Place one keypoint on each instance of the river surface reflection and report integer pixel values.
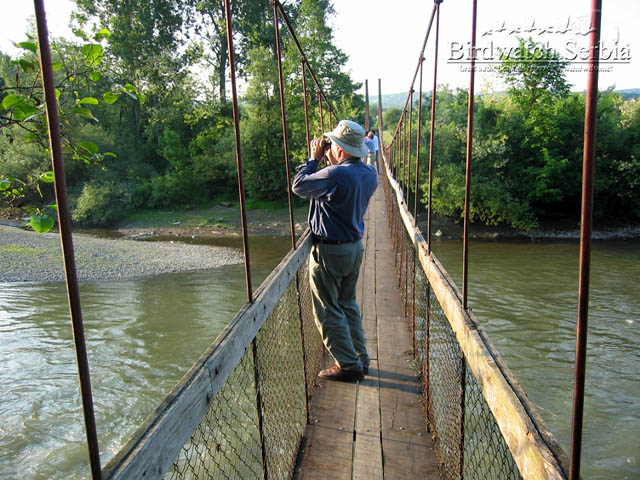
(144, 333)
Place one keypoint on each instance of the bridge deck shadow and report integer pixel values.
(372, 429)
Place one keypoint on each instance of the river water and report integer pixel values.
(144, 333)
(525, 294)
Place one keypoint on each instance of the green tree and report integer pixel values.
(534, 73)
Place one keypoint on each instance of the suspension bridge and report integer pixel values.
(439, 401)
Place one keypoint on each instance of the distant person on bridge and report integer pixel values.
(371, 145)
(339, 196)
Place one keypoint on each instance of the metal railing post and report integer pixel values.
(66, 239)
(586, 225)
(433, 126)
(306, 108)
(467, 189)
(236, 125)
(366, 105)
(285, 137)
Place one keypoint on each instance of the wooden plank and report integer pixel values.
(367, 458)
(407, 448)
(328, 439)
(368, 282)
(534, 449)
(157, 443)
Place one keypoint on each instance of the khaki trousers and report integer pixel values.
(333, 275)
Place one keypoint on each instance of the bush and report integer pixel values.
(101, 203)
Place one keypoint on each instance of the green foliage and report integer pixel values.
(101, 203)
(142, 128)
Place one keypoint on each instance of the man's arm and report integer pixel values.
(311, 183)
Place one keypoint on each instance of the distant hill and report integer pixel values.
(627, 94)
(398, 100)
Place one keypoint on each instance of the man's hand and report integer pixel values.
(317, 149)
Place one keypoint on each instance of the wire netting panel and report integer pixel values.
(486, 454)
(313, 348)
(445, 383)
(245, 424)
(282, 385)
(467, 438)
(226, 444)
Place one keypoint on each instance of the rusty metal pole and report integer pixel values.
(467, 189)
(415, 198)
(407, 202)
(588, 161)
(236, 124)
(66, 239)
(409, 185)
(321, 112)
(284, 124)
(366, 105)
(306, 109)
(433, 125)
(380, 127)
(463, 390)
(418, 134)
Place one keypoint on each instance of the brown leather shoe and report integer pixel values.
(337, 373)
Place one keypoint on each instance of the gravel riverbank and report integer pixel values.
(31, 257)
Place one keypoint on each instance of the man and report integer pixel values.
(339, 196)
(371, 145)
(376, 147)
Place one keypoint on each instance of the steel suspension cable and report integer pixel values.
(66, 239)
(424, 46)
(287, 23)
(239, 166)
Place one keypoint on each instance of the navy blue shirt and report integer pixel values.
(339, 197)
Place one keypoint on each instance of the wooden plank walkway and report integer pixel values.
(372, 429)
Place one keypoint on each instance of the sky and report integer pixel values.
(383, 39)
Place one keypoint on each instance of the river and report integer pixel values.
(144, 333)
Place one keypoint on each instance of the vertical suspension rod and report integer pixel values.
(236, 125)
(306, 108)
(285, 138)
(588, 161)
(321, 112)
(366, 105)
(418, 134)
(467, 188)
(380, 126)
(409, 147)
(432, 127)
(66, 240)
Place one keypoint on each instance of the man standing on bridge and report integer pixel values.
(339, 196)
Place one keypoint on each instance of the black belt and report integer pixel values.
(327, 241)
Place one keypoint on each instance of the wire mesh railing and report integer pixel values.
(482, 424)
(240, 412)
